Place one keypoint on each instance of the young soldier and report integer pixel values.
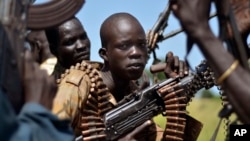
(125, 55)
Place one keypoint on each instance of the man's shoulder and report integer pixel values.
(95, 64)
(79, 72)
(74, 87)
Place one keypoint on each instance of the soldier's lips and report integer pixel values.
(136, 66)
(81, 57)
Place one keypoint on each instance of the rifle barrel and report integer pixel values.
(177, 31)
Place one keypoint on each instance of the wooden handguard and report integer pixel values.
(52, 13)
(157, 67)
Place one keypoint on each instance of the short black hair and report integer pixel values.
(52, 35)
(111, 20)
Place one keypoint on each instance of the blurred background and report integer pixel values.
(207, 103)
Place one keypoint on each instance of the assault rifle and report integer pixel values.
(16, 17)
(148, 103)
(144, 105)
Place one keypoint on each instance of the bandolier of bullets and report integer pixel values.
(177, 96)
(175, 112)
(225, 112)
(95, 106)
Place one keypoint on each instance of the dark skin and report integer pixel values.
(38, 86)
(241, 11)
(39, 45)
(241, 14)
(72, 44)
(125, 55)
(193, 16)
(174, 66)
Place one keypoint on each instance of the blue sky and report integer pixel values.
(94, 12)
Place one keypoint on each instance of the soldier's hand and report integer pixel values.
(241, 15)
(174, 66)
(131, 136)
(192, 14)
(38, 86)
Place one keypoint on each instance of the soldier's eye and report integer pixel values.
(142, 44)
(69, 42)
(124, 46)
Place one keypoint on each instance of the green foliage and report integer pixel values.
(206, 94)
(157, 76)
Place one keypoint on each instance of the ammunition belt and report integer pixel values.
(97, 103)
(175, 112)
(177, 99)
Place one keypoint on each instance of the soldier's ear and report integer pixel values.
(103, 54)
(37, 45)
(34, 46)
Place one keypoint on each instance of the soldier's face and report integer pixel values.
(74, 44)
(126, 50)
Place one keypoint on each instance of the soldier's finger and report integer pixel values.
(176, 61)
(28, 61)
(140, 128)
(28, 68)
(169, 55)
(186, 68)
(169, 59)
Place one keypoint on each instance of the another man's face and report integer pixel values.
(126, 50)
(39, 45)
(74, 44)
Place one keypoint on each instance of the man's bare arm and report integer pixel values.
(193, 16)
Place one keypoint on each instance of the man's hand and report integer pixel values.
(130, 136)
(241, 15)
(38, 86)
(174, 66)
(193, 14)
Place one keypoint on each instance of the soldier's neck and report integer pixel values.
(117, 87)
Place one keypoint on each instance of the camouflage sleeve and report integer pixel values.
(73, 90)
(83, 98)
